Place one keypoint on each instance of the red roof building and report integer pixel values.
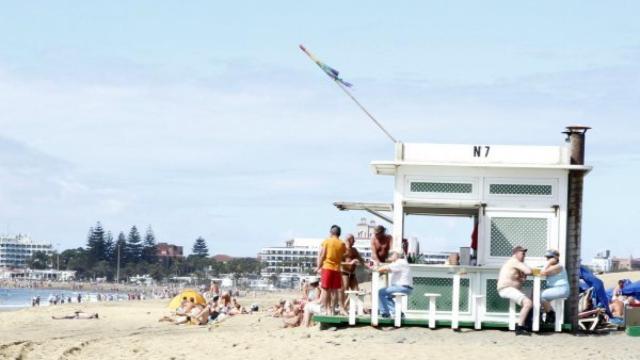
(169, 250)
(222, 258)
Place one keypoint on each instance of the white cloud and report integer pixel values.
(247, 151)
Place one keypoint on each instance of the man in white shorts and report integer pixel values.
(510, 280)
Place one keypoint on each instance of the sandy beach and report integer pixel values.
(611, 279)
(128, 330)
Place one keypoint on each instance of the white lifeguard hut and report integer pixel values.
(517, 195)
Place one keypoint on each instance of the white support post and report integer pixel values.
(398, 308)
(558, 307)
(375, 287)
(360, 303)
(536, 303)
(512, 315)
(398, 213)
(478, 302)
(353, 296)
(432, 309)
(405, 303)
(455, 301)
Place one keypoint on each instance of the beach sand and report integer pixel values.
(611, 279)
(129, 330)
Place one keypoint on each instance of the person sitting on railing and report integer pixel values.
(510, 280)
(557, 284)
(400, 281)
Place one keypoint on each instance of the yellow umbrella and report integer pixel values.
(188, 294)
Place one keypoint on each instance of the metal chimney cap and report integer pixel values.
(577, 128)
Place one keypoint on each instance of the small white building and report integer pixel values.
(602, 262)
(38, 275)
(516, 195)
(434, 257)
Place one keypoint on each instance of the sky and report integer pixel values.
(205, 119)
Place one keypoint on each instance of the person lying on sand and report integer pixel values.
(77, 315)
(236, 308)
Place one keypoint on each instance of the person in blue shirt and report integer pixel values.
(557, 284)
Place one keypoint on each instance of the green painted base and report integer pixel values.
(633, 330)
(328, 321)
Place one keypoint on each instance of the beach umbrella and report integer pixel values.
(187, 293)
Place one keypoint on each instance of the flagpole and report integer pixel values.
(365, 111)
(333, 73)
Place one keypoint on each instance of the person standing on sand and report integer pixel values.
(214, 289)
(510, 280)
(329, 259)
(380, 245)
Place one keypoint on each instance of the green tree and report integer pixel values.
(134, 246)
(149, 247)
(102, 269)
(200, 247)
(109, 248)
(244, 266)
(156, 271)
(120, 247)
(96, 245)
(38, 260)
(75, 259)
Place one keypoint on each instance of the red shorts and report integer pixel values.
(330, 279)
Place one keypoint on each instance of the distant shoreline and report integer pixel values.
(76, 286)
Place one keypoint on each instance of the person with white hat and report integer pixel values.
(312, 292)
(313, 304)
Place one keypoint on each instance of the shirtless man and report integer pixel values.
(214, 289)
(380, 244)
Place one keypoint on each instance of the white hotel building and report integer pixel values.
(16, 250)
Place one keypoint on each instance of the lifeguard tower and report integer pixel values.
(517, 195)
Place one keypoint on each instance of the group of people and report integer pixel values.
(619, 300)
(299, 311)
(218, 306)
(337, 263)
(511, 280)
(56, 299)
(338, 260)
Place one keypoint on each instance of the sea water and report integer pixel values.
(18, 298)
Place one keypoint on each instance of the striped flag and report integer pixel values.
(331, 72)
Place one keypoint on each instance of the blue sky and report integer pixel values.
(206, 119)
